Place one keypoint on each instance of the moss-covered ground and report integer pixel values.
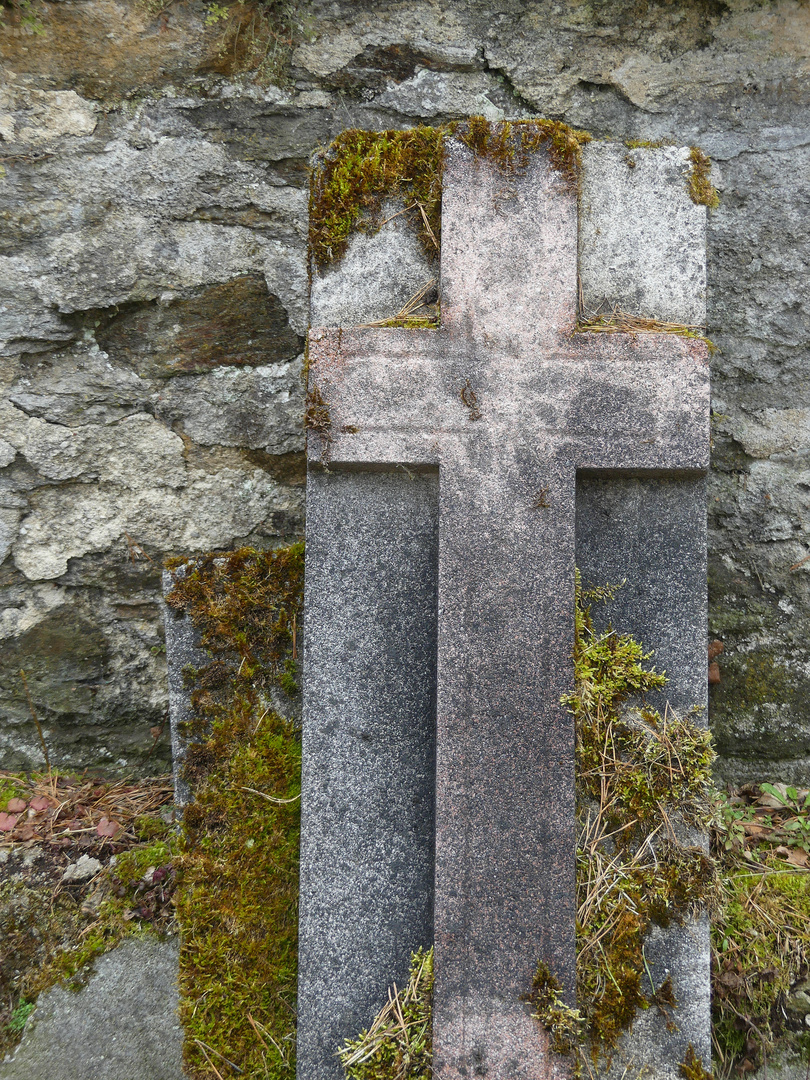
(238, 866)
(52, 929)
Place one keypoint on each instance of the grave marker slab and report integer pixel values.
(503, 422)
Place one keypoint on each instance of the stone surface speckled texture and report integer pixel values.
(510, 404)
(642, 241)
(368, 750)
(122, 1025)
(139, 172)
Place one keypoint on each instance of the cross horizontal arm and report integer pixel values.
(601, 402)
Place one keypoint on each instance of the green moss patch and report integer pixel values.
(699, 185)
(360, 170)
(238, 868)
(512, 144)
(642, 778)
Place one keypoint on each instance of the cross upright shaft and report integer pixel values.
(509, 404)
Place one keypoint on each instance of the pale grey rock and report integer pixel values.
(82, 388)
(376, 277)
(82, 870)
(434, 93)
(642, 240)
(9, 524)
(34, 117)
(7, 453)
(197, 512)
(122, 1025)
(285, 270)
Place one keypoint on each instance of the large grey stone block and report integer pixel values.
(122, 1025)
(368, 749)
(642, 241)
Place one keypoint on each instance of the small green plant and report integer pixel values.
(19, 1016)
(216, 13)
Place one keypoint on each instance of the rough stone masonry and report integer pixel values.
(462, 473)
(153, 284)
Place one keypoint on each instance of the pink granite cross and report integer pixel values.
(509, 404)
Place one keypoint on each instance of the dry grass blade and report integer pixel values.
(272, 798)
(408, 310)
(398, 1040)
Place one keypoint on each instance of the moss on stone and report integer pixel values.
(699, 185)
(360, 170)
(398, 1045)
(511, 144)
(636, 769)
(238, 868)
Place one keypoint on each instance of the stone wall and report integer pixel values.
(153, 297)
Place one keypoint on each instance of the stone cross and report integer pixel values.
(464, 471)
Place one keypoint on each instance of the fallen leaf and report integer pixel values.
(106, 827)
(797, 857)
(28, 832)
(715, 648)
(752, 829)
(16, 806)
(40, 803)
(7, 822)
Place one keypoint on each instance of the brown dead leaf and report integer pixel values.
(715, 648)
(108, 828)
(755, 830)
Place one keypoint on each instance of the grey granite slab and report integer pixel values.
(642, 241)
(511, 406)
(368, 749)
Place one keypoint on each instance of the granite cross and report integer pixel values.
(472, 448)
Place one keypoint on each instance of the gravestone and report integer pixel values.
(463, 473)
